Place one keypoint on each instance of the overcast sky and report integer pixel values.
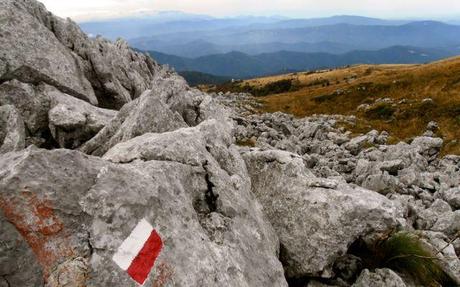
(82, 10)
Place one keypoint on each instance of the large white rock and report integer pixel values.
(145, 114)
(31, 52)
(74, 211)
(40, 47)
(315, 219)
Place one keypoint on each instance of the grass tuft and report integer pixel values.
(405, 253)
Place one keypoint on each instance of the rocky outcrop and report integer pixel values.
(405, 168)
(76, 178)
(39, 56)
(315, 219)
(205, 215)
(421, 185)
(38, 47)
(168, 160)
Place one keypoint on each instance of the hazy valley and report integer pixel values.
(245, 47)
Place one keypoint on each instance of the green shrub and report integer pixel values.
(278, 87)
(383, 111)
(318, 82)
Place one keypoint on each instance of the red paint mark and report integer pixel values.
(34, 218)
(142, 264)
(164, 274)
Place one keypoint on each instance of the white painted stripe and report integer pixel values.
(129, 249)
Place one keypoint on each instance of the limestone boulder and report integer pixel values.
(31, 53)
(73, 211)
(38, 47)
(315, 219)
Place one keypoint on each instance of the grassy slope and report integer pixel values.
(350, 87)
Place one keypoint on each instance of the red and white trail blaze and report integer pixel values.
(138, 253)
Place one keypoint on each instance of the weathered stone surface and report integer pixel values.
(411, 175)
(17, 258)
(146, 114)
(213, 230)
(187, 145)
(40, 47)
(314, 283)
(72, 121)
(428, 146)
(448, 223)
(71, 273)
(171, 105)
(452, 196)
(379, 278)
(31, 53)
(315, 224)
(168, 156)
(30, 101)
(12, 132)
(117, 73)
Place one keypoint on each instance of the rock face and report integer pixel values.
(58, 53)
(68, 206)
(52, 117)
(31, 103)
(37, 57)
(168, 159)
(12, 133)
(72, 122)
(46, 61)
(315, 219)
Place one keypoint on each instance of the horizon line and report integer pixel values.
(152, 13)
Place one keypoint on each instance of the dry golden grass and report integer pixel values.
(341, 91)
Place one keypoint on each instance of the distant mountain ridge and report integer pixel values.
(427, 34)
(161, 23)
(199, 48)
(242, 47)
(241, 65)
